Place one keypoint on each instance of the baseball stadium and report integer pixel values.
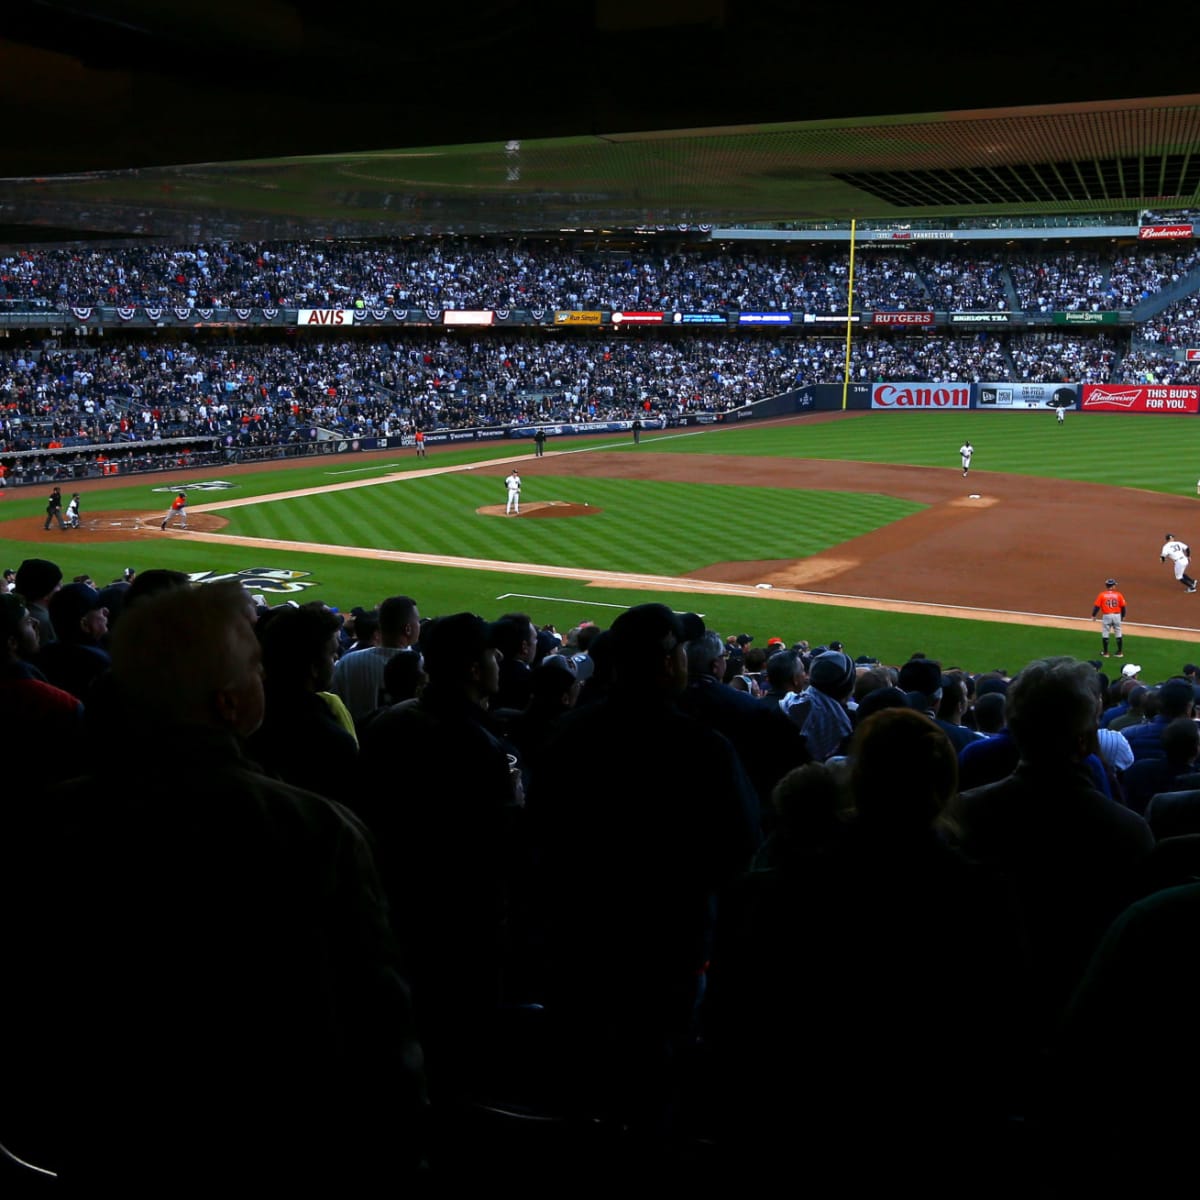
(552, 628)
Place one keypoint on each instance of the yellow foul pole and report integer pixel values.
(849, 313)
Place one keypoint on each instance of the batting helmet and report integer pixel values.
(1110, 583)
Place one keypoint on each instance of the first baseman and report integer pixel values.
(1111, 603)
(1179, 554)
(966, 450)
(513, 483)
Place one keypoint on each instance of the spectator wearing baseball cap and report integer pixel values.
(77, 658)
(1175, 699)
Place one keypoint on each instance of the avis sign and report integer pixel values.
(325, 316)
(920, 395)
(1155, 398)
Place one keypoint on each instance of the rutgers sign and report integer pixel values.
(1164, 398)
(902, 318)
(919, 395)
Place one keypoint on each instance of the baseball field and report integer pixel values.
(851, 526)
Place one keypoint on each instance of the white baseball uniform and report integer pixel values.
(1176, 551)
(1062, 415)
(513, 483)
(966, 450)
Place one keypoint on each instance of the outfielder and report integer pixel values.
(966, 450)
(513, 483)
(1062, 415)
(1179, 554)
(1111, 604)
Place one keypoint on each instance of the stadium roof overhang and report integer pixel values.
(293, 118)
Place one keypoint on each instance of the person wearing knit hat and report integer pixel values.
(36, 581)
(831, 682)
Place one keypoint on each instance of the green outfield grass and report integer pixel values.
(1158, 453)
(715, 523)
(645, 526)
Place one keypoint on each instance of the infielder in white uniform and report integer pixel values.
(1179, 554)
(513, 483)
(966, 451)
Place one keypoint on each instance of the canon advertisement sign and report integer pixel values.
(920, 395)
(1160, 232)
(1160, 398)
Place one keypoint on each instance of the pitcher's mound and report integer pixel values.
(542, 508)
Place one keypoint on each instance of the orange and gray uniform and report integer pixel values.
(1111, 603)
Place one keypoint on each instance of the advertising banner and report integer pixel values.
(980, 318)
(764, 318)
(466, 316)
(1193, 356)
(902, 318)
(821, 319)
(1149, 233)
(1084, 318)
(709, 318)
(1159, 398)
(325, 316)
(576, 317)
(1018, 397)
(637, 318)
(1105, 397)
(920, 395)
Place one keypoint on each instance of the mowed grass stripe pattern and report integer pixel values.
(1158, 453)
(644, 526)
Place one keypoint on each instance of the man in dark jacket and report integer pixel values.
(642, 813)
(1067, 850)
(226, 941)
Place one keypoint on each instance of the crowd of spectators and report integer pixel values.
(1136, 277)
(1071, 281)
(379, 833)
(456, 273)
(281, 391)
(1177, 326)
(276, 387)
(1146, 366)
(1053, 356)
(958, 281)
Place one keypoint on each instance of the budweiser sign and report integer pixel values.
(1162, 398)
(1158, 232)
(919, 395)
(902, 318)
